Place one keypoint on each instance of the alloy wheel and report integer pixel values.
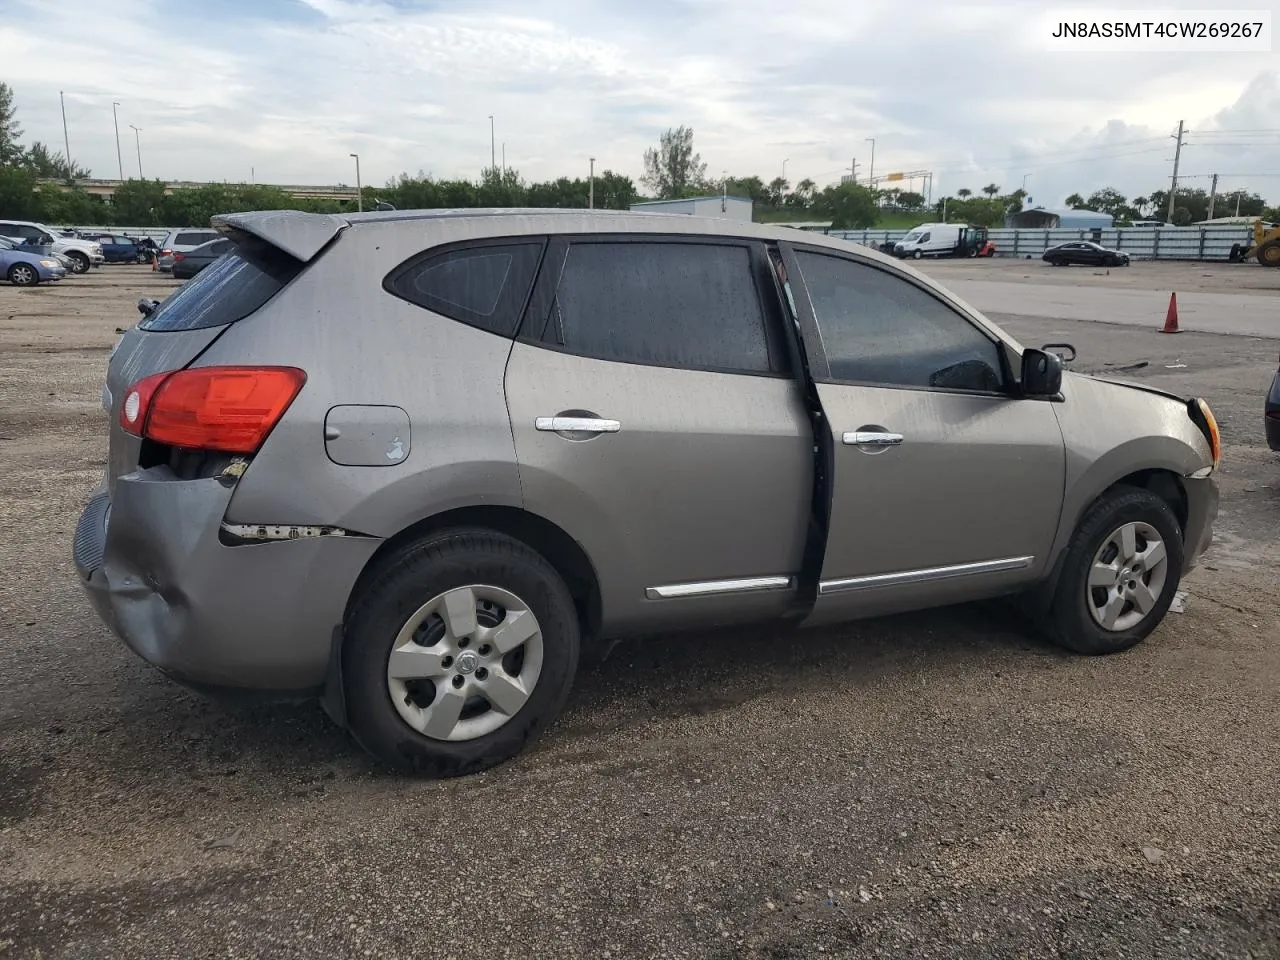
(465, 662)
(22, 275)
(1127, 577)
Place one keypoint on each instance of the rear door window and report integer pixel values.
(226, 291)
(670, 304)
(484, 286)
(193, 239)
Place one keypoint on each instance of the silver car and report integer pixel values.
(412, 462)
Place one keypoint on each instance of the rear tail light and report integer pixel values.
(179, 256)
(230, 409)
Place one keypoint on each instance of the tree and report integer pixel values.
(139, 203)
(1106, 200)
(615, 191)
(46, 165)
(803, 194)
(752, 187)
(18, 197)
(964, 193)
(1181, 216)
(850, 206)
(1075, 202)
(11, 151)
(1139, 204)
(777, 190)
(991, 189)
(672, 168)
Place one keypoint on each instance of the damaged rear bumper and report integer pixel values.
(255, 616)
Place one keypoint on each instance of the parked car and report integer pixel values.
(1086, 253)
(1271, 413)
(182, 241)
(411, 462)
(82, 253)
(25, 269)
(187, 265)
(121, 249)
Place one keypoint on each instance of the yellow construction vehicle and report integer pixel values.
(1265, 246)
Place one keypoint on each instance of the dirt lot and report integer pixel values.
(934, 785)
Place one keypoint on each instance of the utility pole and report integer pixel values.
(591, 186)
(137, 139)
(504, 158)
(66, 140)
(871, 174)
(1173, 187)
(1213, 195)
(493, 153)
(359, 192)
(853, 170)
(116, 120)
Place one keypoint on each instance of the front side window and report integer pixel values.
(686, 305)
(878, 328)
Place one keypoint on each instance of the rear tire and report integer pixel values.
(446, 603)
(916, 255)
(1269, 254)
(23, 275)
(1126, 555)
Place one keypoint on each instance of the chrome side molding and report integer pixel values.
(711, 588)
(847, 584)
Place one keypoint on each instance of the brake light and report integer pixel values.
(179, 256)
(231, 409)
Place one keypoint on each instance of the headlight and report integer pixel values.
(49, 263)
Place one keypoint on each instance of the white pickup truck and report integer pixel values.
(82, 253)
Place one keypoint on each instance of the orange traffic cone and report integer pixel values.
(153, 263)
(1171, 318)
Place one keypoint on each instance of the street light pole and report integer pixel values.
(493, 152)
(359, 191)
(784, 168)
(591, 186)
(116, 120)
(871, 175)
(137, 139)
(66, 140)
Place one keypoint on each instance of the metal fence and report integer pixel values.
(1141, 243)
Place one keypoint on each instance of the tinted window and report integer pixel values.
(879, 328)
(226, 291)
(666, 304)
(484, 286)
(193, 239)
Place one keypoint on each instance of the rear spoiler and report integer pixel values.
(301, 235)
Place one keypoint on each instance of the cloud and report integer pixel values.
(290, 88)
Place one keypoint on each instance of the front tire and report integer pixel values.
(458, 653)
(916, 255)
(79, 261)
(1122, 568)
(23, 275)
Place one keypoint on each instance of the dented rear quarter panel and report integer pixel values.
(361, 345)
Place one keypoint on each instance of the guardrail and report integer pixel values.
(1141, 243)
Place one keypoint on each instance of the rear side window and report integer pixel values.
(226, 291)
(194, 239)
(690, 305)
(483, 286)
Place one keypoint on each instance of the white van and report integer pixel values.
(929, 239)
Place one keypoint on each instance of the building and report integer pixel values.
(1040, 218)
(722, 207)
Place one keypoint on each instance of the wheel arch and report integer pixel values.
(1165, 483)
(547, 539)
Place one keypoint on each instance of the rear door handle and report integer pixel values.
(576, 425)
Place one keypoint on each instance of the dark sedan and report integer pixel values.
(119, 249)
(1086, 253)
(187, 265)
(1271, 413)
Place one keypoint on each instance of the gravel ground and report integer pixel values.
(935, 785)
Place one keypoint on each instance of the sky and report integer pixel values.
(283, 91)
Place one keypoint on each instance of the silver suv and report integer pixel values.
(411, 462)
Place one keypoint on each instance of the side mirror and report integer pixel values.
(147, 306)
(1065, 351)
(1041, 373)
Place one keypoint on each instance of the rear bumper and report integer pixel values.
(257, 617)
(1202, 511)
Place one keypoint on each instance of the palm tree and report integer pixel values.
(964, 193)
(1139, 204)
(991, 189)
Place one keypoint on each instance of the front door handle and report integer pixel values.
(576, 425)
(872, 438)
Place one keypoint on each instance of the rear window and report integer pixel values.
(194, 239)
(226, 291)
